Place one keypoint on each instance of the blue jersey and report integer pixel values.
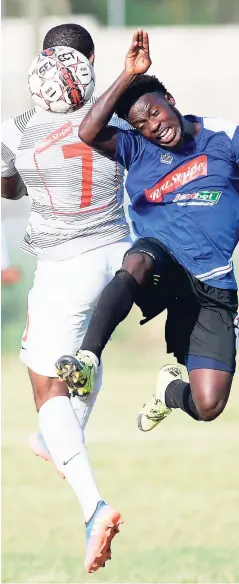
(188, 199)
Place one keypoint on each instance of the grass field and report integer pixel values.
(176, 487)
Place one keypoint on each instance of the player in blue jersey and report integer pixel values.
(183, 182)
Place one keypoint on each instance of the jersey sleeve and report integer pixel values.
(235, 144)
(128, 146)
(119, 123)
(10, 138)
(230, 128)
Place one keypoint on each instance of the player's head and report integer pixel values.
(73, 36)
(149, 108)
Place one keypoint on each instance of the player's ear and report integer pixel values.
(92, 60)
(170, 98)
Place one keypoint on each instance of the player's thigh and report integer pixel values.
(211, 359)
(60, 305)
(143, 258)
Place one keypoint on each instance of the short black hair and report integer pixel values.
(141, 85)
(70, 35)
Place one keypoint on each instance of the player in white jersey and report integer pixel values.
(78, 230)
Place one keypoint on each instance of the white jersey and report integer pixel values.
(76, 194)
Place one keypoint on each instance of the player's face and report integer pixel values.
(154, 116)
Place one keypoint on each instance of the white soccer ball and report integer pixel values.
(61, 79)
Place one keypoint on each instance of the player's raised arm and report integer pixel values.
(93, 129)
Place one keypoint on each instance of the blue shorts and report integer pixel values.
(195, 362)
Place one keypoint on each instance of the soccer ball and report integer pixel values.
(61, 80)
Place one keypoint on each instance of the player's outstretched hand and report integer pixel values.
(138, 59)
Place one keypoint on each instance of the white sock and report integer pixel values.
(92, 357)
(83, 405)
(64, 437)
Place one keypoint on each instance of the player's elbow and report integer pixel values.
(6, 189)
(88, 130)
(84, 134)
(12, 188)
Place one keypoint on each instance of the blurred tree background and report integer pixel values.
(138, 12)
(163, 12)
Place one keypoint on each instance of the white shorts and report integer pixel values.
(61, 302)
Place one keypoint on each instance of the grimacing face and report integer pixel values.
(154, 117)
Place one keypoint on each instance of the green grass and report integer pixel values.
(177, 487)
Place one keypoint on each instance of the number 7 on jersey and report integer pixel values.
(86, 154)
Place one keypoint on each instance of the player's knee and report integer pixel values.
(210, 390)
(210, 406)
(45, 388)
(139, 265)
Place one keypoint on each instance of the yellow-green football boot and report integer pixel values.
(78, 372)
(155, 410)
